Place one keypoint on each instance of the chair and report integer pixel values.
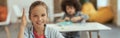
(5, 24)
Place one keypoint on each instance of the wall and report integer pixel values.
(20, 4)
(57, 6)
(50, 9)
(118, 11)
(102, 3)
(25, 4)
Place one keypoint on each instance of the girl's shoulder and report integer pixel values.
(53, 32)
(50, 28)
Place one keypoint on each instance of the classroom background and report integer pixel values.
(106, 12)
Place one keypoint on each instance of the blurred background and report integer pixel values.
(103, 11)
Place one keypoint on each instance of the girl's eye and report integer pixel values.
(43, 15)
(35, 16)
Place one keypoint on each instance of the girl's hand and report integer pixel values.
(24, 21)
(23, 25)
(76, 19)
(67, 19)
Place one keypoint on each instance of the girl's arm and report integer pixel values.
(22, 26)
(21, 32)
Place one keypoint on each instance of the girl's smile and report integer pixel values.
(39, 22)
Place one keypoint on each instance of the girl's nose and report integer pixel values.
(39, 19)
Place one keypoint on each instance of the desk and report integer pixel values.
(91, 26)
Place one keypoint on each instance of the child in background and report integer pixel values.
(72, 14)
(38, 16)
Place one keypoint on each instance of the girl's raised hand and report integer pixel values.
(23, 25)
(24, 21)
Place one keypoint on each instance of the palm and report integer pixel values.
(24, 18)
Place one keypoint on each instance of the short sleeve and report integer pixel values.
(26, 33)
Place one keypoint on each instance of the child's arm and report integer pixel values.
(62, 20)
(22, 26)
(81, 18)
(59, 20)
(76, 19)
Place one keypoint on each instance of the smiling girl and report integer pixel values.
(38, 14)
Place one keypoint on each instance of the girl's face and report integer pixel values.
(38, 16)
(70, 10)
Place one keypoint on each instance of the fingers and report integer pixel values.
(24, 18)
(23, 14)
(59, 20)
(67, 18)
